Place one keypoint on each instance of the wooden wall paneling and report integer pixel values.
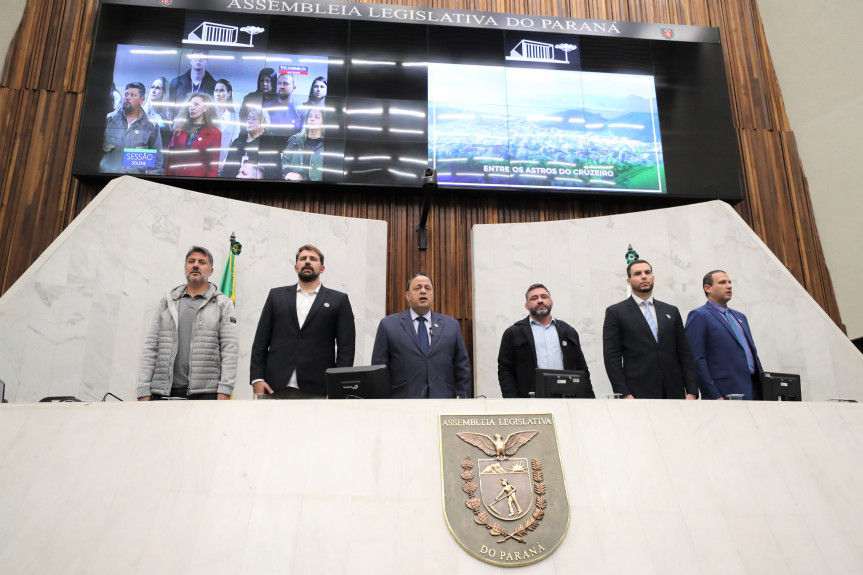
(772, 92)
(698, 13)
(816, 275)
(742, 53)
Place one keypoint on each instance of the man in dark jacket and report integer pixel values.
(304, 329)
(195, 80)
(539, 340)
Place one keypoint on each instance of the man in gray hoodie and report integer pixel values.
(192, 344)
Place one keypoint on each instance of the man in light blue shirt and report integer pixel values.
(537, 341)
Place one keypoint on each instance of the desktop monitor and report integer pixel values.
(563, 383)
(361, 382)
(780, 387)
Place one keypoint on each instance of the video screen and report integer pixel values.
(544, 128)
(214, 113)
(226, 95)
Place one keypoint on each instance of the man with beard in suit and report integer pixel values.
(539, 340)
(304, 329)
(644, 345)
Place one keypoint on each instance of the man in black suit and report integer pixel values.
(644, 345)
(424, 350)
(300, 329)
(538, 340)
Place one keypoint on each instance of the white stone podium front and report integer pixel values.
(331, 487)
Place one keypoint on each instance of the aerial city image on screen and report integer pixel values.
(516, 127)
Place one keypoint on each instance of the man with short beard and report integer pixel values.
(537, 341)
(129, 128)
(285, 120)
(644, 346)
(192, 345)
(304, 329)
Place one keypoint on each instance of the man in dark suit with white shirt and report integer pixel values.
(424, 350)
(644, 345)
(539, 340)
(304, 329)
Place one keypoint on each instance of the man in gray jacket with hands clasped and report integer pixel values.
(192, 344)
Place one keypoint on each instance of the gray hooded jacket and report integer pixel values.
(214, 348)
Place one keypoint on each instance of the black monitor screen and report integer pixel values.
(563, 383)
(780, 387)
(361, 382)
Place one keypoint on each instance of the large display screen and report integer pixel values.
(535, 128)
(194, 94)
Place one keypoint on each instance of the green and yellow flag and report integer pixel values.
(229, 277)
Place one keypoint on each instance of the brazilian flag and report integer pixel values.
(229, 277)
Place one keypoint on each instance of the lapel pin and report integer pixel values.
(668, 316)
(436, 325)
(326, 304)
(563, 343)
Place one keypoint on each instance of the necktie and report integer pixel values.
(422, 335)
(736, 331)
(651, 321)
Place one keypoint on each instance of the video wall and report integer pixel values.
(199, 94)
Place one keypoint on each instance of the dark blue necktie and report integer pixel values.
(422, 335)
(739, 337)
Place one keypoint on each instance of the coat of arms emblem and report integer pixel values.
(504, 497)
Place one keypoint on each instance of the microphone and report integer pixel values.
(431, 332)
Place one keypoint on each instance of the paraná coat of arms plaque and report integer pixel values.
(503, 488)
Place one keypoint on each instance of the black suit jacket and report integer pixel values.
(181, 86)
(639, 365)
(280, 346)
(516, 362)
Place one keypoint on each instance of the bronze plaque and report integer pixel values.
(504, 496)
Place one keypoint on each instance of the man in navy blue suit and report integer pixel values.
(424, 350)
(722, 345)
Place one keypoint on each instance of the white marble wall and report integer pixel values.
(354, 487)
(73, 324)
(582, 263)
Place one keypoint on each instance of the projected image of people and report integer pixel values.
(249, 171)
(194, 149)
(303, 158)
(285, 120)
(266, 87)
(253, 150)
(215, 81)
(226, 116)
(196, 79)
(317, 94)
(159, 108)
(132, 144)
